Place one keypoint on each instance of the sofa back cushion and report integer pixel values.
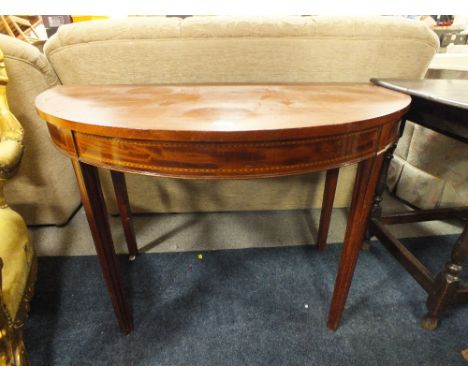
(213, 49)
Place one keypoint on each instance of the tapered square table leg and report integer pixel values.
(364, 186)
(327, 207)
(96, 213)
(121, 194)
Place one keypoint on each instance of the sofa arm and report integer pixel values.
(11, 132)
(11, 135)
(44, 190)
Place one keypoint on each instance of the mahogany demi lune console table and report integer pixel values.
(223, 132)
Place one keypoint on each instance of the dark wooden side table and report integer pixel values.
(223, 132)
(440, 105)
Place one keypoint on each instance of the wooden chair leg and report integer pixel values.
(7, 26)
(121, 194)
(18, 29)
(364, 187)
(446, 283)
(96, 213)
(327, 207)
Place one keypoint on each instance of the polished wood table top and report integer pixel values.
(218, 112)
(223, 132)
(449, 92)
(438, 104)
(232, 131)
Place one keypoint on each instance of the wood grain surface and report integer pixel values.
(220, 112)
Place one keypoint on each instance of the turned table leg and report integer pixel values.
(376, 210)
(121, 194)
(364, 186)
(446, 283)
(327, 207)
(96, 213)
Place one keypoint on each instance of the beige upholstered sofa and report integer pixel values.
(430, 170)
(159, 50)
(225, 49)
(44, 191)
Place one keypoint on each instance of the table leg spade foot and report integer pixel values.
(365, 246)
(429, 323)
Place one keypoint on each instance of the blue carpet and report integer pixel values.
(243, 307)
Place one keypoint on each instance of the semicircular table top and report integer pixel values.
(175, 112)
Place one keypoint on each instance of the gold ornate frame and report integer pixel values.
(12, 349)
